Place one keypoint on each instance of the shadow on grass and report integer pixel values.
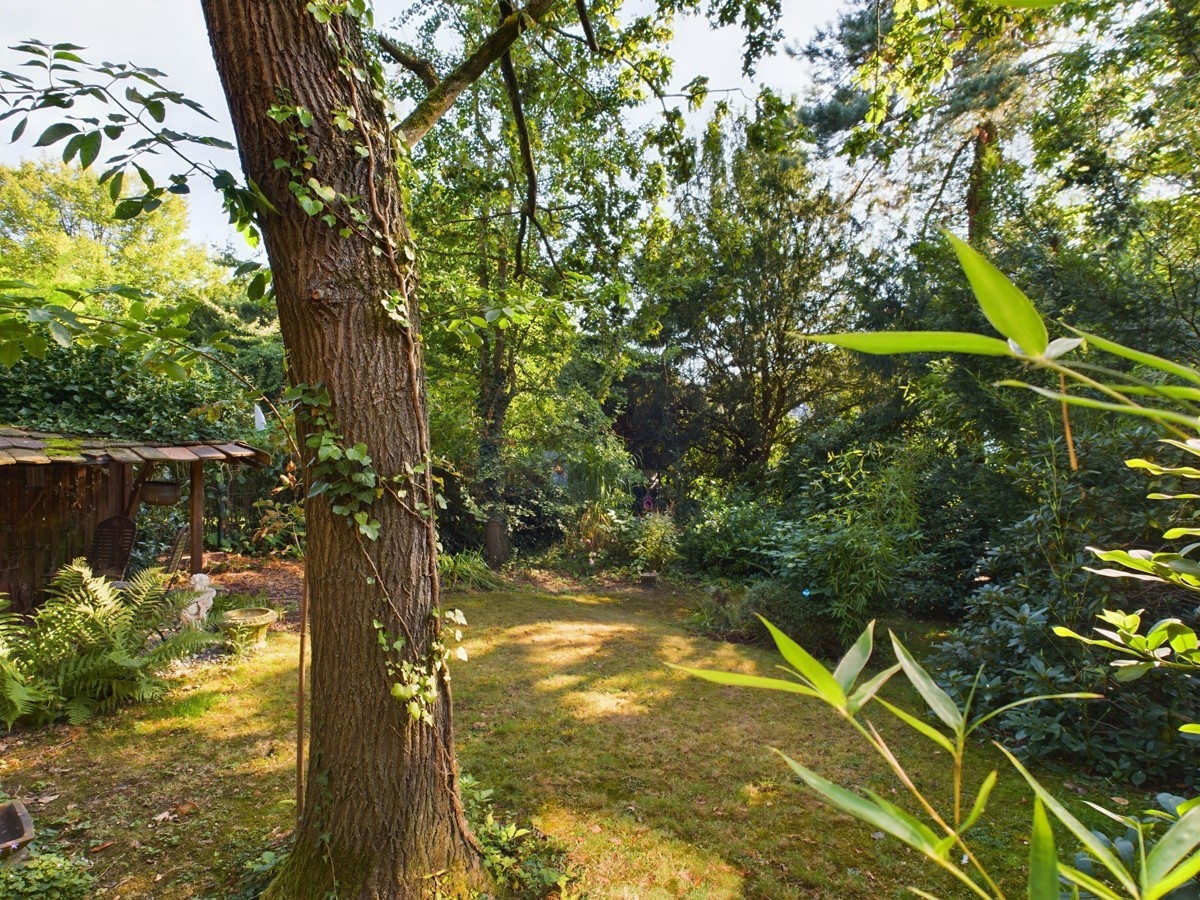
(167, 799)
(666, 783)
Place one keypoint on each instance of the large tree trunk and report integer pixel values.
(381, 810)
(495, 397)
(979, 181)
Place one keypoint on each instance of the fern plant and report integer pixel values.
(91, 647)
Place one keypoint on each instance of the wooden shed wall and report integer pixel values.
(47, 516)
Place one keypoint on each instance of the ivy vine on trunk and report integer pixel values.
(382, 811)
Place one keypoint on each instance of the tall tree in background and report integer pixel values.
(529, 197)
(755, 261)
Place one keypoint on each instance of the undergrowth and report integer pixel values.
(523, 862)
(90, 647)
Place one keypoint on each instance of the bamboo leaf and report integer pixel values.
(1092, 843)
(923, 727)
(1043, 860)
(889, 342)
(981, 799)
(1025, 701)
(816, 674)
(939, 701)
(1137, 356)
(870, 688)
(1173, 861)
(736, 679)
(908, 829)
(1159, 415)
(856, 657)
(1005, 305)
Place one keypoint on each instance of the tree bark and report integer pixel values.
(978, 183)
(381, 811)
(495, 397)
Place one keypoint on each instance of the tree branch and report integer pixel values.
(514, 98)
(439, 100)
(422, 68)
(586, 22)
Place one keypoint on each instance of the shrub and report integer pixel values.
(1036, 581)
(732, 612)
(729, 538)
(654, 541)
(90, 647)
(796, 611)
(467, 571)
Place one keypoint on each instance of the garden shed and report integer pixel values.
(56, 490)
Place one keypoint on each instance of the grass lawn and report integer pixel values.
(658, 785)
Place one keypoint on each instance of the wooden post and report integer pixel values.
(196, 504)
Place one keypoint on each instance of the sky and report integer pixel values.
(170, 35)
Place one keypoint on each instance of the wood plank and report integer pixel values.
(26, 443)
(73, 459)
(29, 457)
(238, 451)
(124, 455)
(196, 508)
(179, 454)
(9, 431)
(150, 454)
(204, 451)
(6, 458)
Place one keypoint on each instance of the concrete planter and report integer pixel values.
(16, 828)
(251, 622)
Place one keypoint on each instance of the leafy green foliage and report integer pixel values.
(653, 541)
(1036, 582)
(95, 390)
(91, 647)
(729, 536)
(47, 876)
(518, 859)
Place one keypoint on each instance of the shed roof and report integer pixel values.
(21, 447)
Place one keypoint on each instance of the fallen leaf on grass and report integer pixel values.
(100, 848)
(186, 808)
